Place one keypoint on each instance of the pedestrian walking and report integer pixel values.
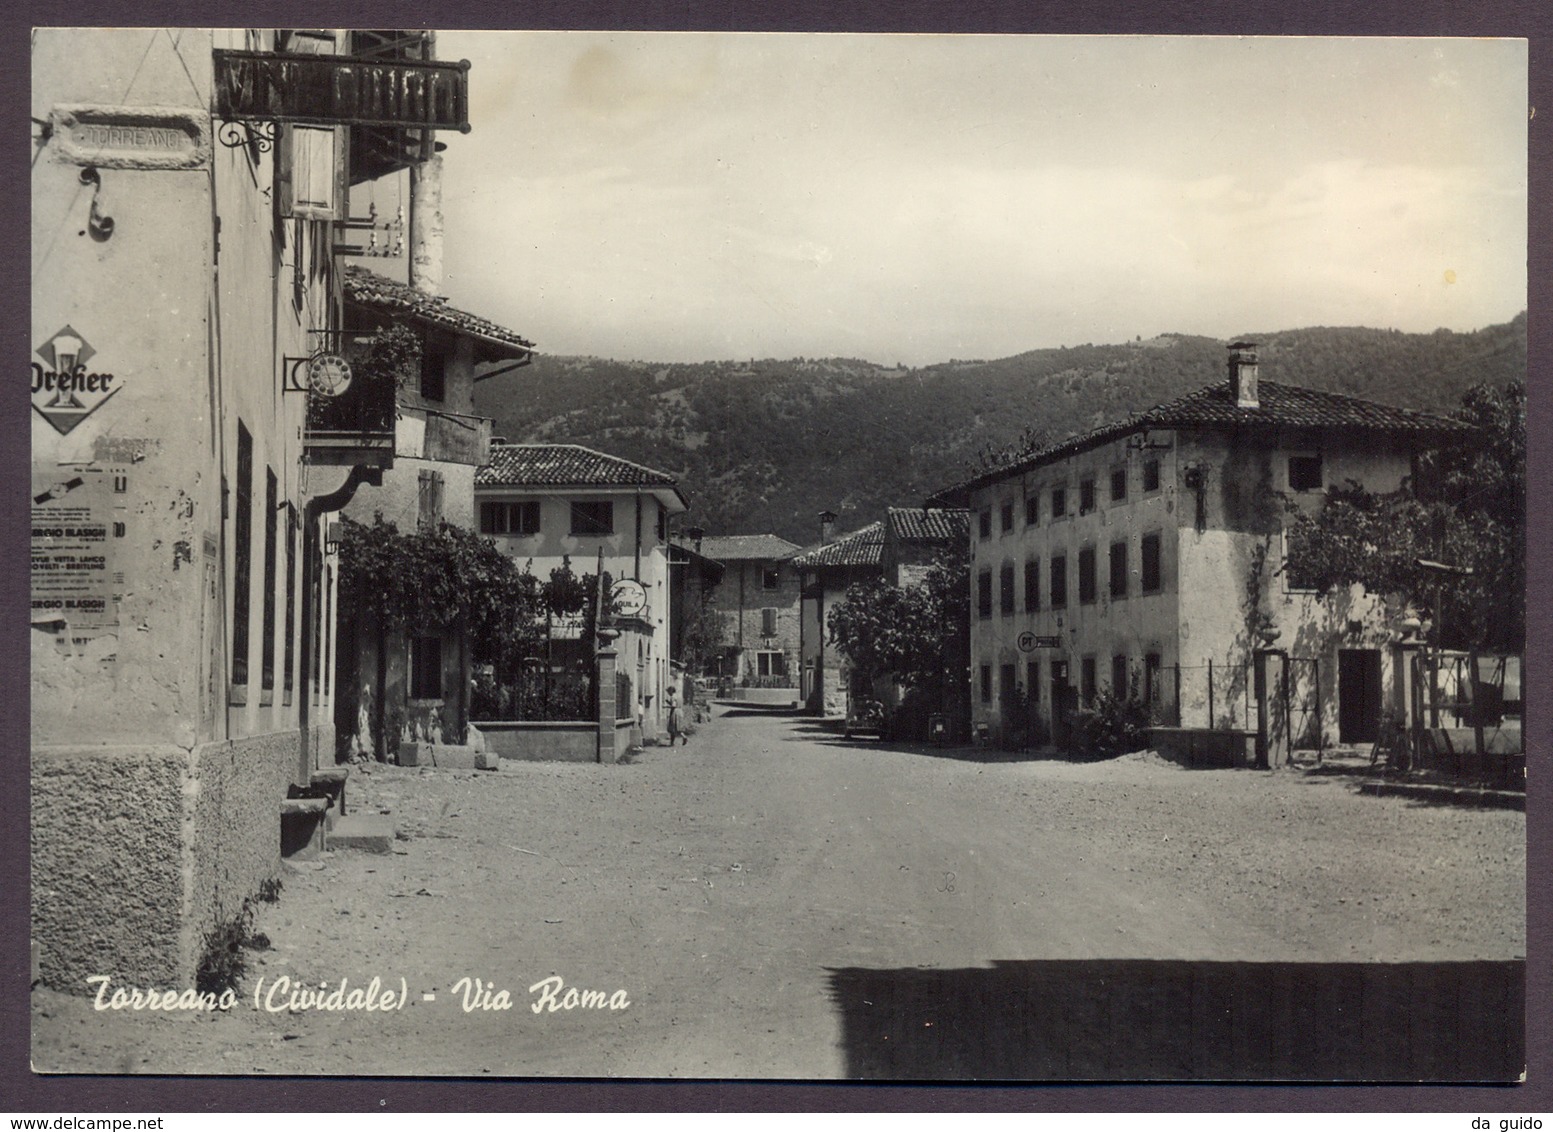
(674, 721)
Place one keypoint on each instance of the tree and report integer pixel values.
(907, 634)
(703, 632)
(1465, 510)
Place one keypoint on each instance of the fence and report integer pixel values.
(534, 694)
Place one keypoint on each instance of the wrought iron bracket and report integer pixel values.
(243, 134)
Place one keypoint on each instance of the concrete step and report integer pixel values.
(302, 827)
(371, 833)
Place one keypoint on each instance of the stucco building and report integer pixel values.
(190, 189)
(547, 504)
(1147, 557)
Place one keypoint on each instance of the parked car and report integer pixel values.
(865, 717)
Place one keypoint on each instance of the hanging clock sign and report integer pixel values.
(328, 375)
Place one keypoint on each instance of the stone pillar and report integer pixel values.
(1403, 693)
(606, 705)
(1270, 673)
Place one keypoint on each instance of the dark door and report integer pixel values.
(1358, 695)
(1064, 700)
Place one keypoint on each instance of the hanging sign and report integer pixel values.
(342, 90)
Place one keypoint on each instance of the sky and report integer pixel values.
(912, 199)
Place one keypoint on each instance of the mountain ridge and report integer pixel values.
(765, 444)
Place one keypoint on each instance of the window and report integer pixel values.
(1032, 585)
(429, 504)
(1118, 484)
(1118, 569)
(768, 622)
(984, 524)
(242, 572)
(267, 643)
(1119, 687)
(1153, 579)
(770, 577)
(1293, 580)
(1151, 666)
(510, 518)
(770, 664)
(984, 594)
(1305, 473)
(433, 375)
(426, 668)
(986, 683)
(1086, 677)
(1006, 588)
(1150, 475)
(1008, 691)
(1059, 581)
(1087, 588)
(1032, 508)
(663, 523)
(1059, 502)
(593, 518)
(1086, 497)
(311, 172)
(1007, 517)
(1033, 681)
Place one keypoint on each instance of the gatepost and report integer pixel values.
(606, 705)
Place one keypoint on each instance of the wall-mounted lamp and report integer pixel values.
(99, 223)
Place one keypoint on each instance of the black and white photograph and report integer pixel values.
(778, 557)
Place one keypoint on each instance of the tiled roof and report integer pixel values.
(733, 548)
(928, 524)
(1281, 406)
(863, 547)
(372, 290)
(563, 465)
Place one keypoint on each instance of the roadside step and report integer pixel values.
(371, 833)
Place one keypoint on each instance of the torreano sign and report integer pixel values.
(342, 90)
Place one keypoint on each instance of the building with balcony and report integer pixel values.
(1147, 558)
(189, 211)
(420, 690)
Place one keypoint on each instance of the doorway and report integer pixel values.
(1359, 697)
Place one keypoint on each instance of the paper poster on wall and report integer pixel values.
(78, 518)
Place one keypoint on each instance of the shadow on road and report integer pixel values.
(1176, 1020)
(811, 730)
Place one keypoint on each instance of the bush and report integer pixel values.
(1111, 726)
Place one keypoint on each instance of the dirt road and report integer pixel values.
(730, 888)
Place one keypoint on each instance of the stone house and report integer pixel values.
(1147, 557)
(759, 605)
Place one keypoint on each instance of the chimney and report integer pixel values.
(426, 225)
(1242, 375)
(696, 535)
(827, 525)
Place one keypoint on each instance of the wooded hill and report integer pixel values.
(764, 445)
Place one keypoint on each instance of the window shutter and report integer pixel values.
(768, 619)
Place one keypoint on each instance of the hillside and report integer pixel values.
(763, 445)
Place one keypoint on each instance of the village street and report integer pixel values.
(746, 890)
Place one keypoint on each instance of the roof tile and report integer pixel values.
(563, 465)
(863, 547)
(370, 289)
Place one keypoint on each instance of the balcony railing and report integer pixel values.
(354, 427)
